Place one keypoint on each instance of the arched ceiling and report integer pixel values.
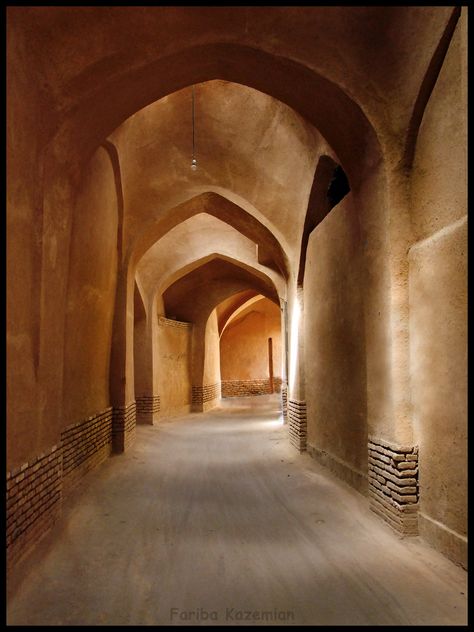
(275, 88)
(191, 241)
(194, 296)
(256, 304)
(228, 307)
(246, 142)
(83, 54)
(244, 307)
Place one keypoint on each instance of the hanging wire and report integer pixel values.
(194, 162)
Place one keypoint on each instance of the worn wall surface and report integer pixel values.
(91, 293)
(244, 343)
(438, 307)
(335, 371)
(383, 334)
(174, 376)
(212, 368)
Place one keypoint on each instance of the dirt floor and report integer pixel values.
(213, 518)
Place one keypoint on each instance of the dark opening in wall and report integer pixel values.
(330, 186)
(338, 187)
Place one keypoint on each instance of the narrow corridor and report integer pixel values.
(215, 515)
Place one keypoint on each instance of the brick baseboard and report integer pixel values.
(393, 484)
(124, 421)
(85, 445)
(33, 501)
(203, 396)
(297, 423)
(284, 401)
(35, 489)
(147, 407)
(245, 388)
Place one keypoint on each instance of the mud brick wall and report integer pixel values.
(147, 406)
(203, 394)
(36, 488)
(244, 388)
(33, 501)
(297, 423)
(284, 401)
(393, 484)
(85, 445)
(124, 422)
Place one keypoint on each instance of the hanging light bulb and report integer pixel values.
(194, 161)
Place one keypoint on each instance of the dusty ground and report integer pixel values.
(215, 514)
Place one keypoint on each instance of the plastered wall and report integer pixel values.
(244, 343)
(438, 306)
(212, 368)
(174, 341)
(91, 292)
(334, 334)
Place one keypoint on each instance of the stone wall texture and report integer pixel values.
(393, 484)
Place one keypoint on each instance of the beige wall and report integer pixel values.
(174, 361)
(438, 307)
(91, 292)
(258, 143)
(244, 343)
(334, 334)
(212, 368)
(142, 360)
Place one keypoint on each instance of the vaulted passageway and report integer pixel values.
(215, 203)
(216, 513)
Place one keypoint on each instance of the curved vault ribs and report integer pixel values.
(256, 279)
(323, 103)
(187, 269)
(221, 207)
(187, 246)
(239, 308)
(225, 309)
(193, 297)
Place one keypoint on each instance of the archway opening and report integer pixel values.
(251, 349)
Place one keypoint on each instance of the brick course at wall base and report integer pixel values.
(147, 407)
(203, 396)
(33, 501)
(244, 388)
(284, 401)
(35, 490)
(123, 426)
(84, 446)
(297, 423)
(393, 484)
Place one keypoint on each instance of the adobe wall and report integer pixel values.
(174, 340)
(334, 333)
(438, 306)
(91, 292)
(244, 351)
